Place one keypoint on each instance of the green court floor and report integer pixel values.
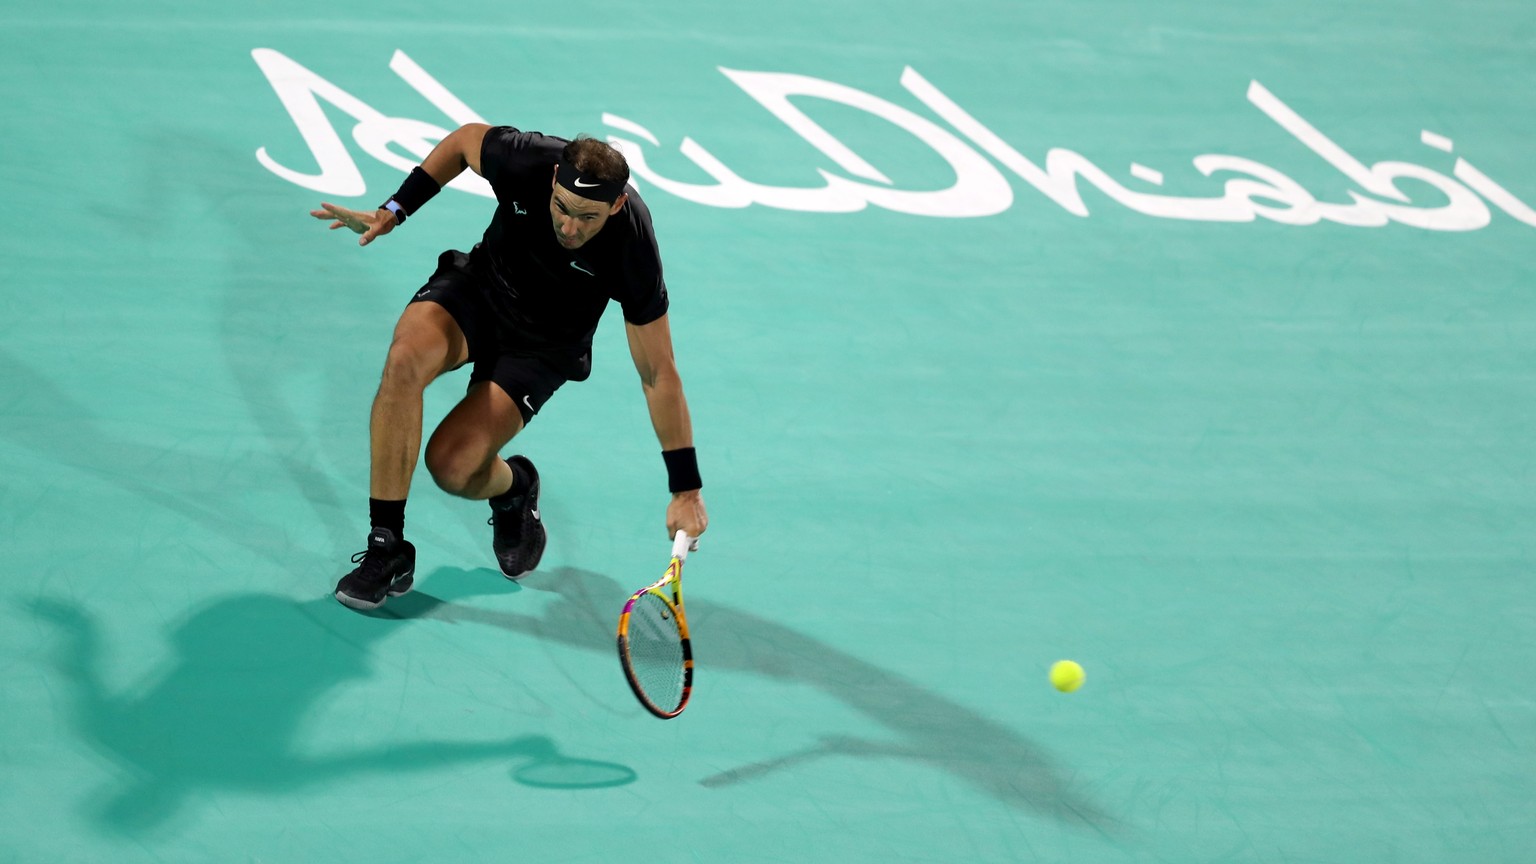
(1194, 342)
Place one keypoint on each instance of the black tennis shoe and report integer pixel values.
(385, 569)
(517, 532)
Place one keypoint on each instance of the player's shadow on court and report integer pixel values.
(927, 727)
(225, 712)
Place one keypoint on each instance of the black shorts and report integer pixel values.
(527, 377)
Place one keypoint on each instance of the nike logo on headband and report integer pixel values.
(585, 185)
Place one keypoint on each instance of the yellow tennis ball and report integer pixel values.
(1066, 675)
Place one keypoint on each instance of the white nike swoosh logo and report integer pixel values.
(582, 269)
(421, 292)
(584, 185)
(526, 402)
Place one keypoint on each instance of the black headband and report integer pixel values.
(587, 186)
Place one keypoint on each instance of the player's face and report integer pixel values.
(578, 219)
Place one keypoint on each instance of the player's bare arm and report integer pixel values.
(458, 151)
(651, 347)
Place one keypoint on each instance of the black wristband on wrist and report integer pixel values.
(415, 192)
(682, 470)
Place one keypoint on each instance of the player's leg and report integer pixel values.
(427, 343)
(462, 455)
(434, 335)
(464, 459)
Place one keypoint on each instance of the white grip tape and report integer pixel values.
(682, 544)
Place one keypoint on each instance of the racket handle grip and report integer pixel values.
(682, 544)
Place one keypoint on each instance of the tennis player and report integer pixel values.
(569, 234)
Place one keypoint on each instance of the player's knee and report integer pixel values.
(409, 366)
(454, 470)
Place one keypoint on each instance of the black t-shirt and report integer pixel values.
(550, 297)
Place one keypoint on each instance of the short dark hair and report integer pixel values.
(596, 158)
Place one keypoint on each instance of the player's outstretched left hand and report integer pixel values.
(369, 224)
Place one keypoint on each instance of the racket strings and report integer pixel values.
(656, 651)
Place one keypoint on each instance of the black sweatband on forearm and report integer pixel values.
(682, 470)
(414, 193)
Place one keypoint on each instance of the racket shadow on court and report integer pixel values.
(227, 710)
(927, 728)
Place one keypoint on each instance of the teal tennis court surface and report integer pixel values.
(1190, 342)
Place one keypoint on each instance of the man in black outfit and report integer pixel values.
(568, 235)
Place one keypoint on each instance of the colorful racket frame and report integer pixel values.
(673, 580)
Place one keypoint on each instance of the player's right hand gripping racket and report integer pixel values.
(653, 639)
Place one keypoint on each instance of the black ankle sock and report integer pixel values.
(387, 514)
(520, 483)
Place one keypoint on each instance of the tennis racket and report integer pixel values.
(653, 639)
